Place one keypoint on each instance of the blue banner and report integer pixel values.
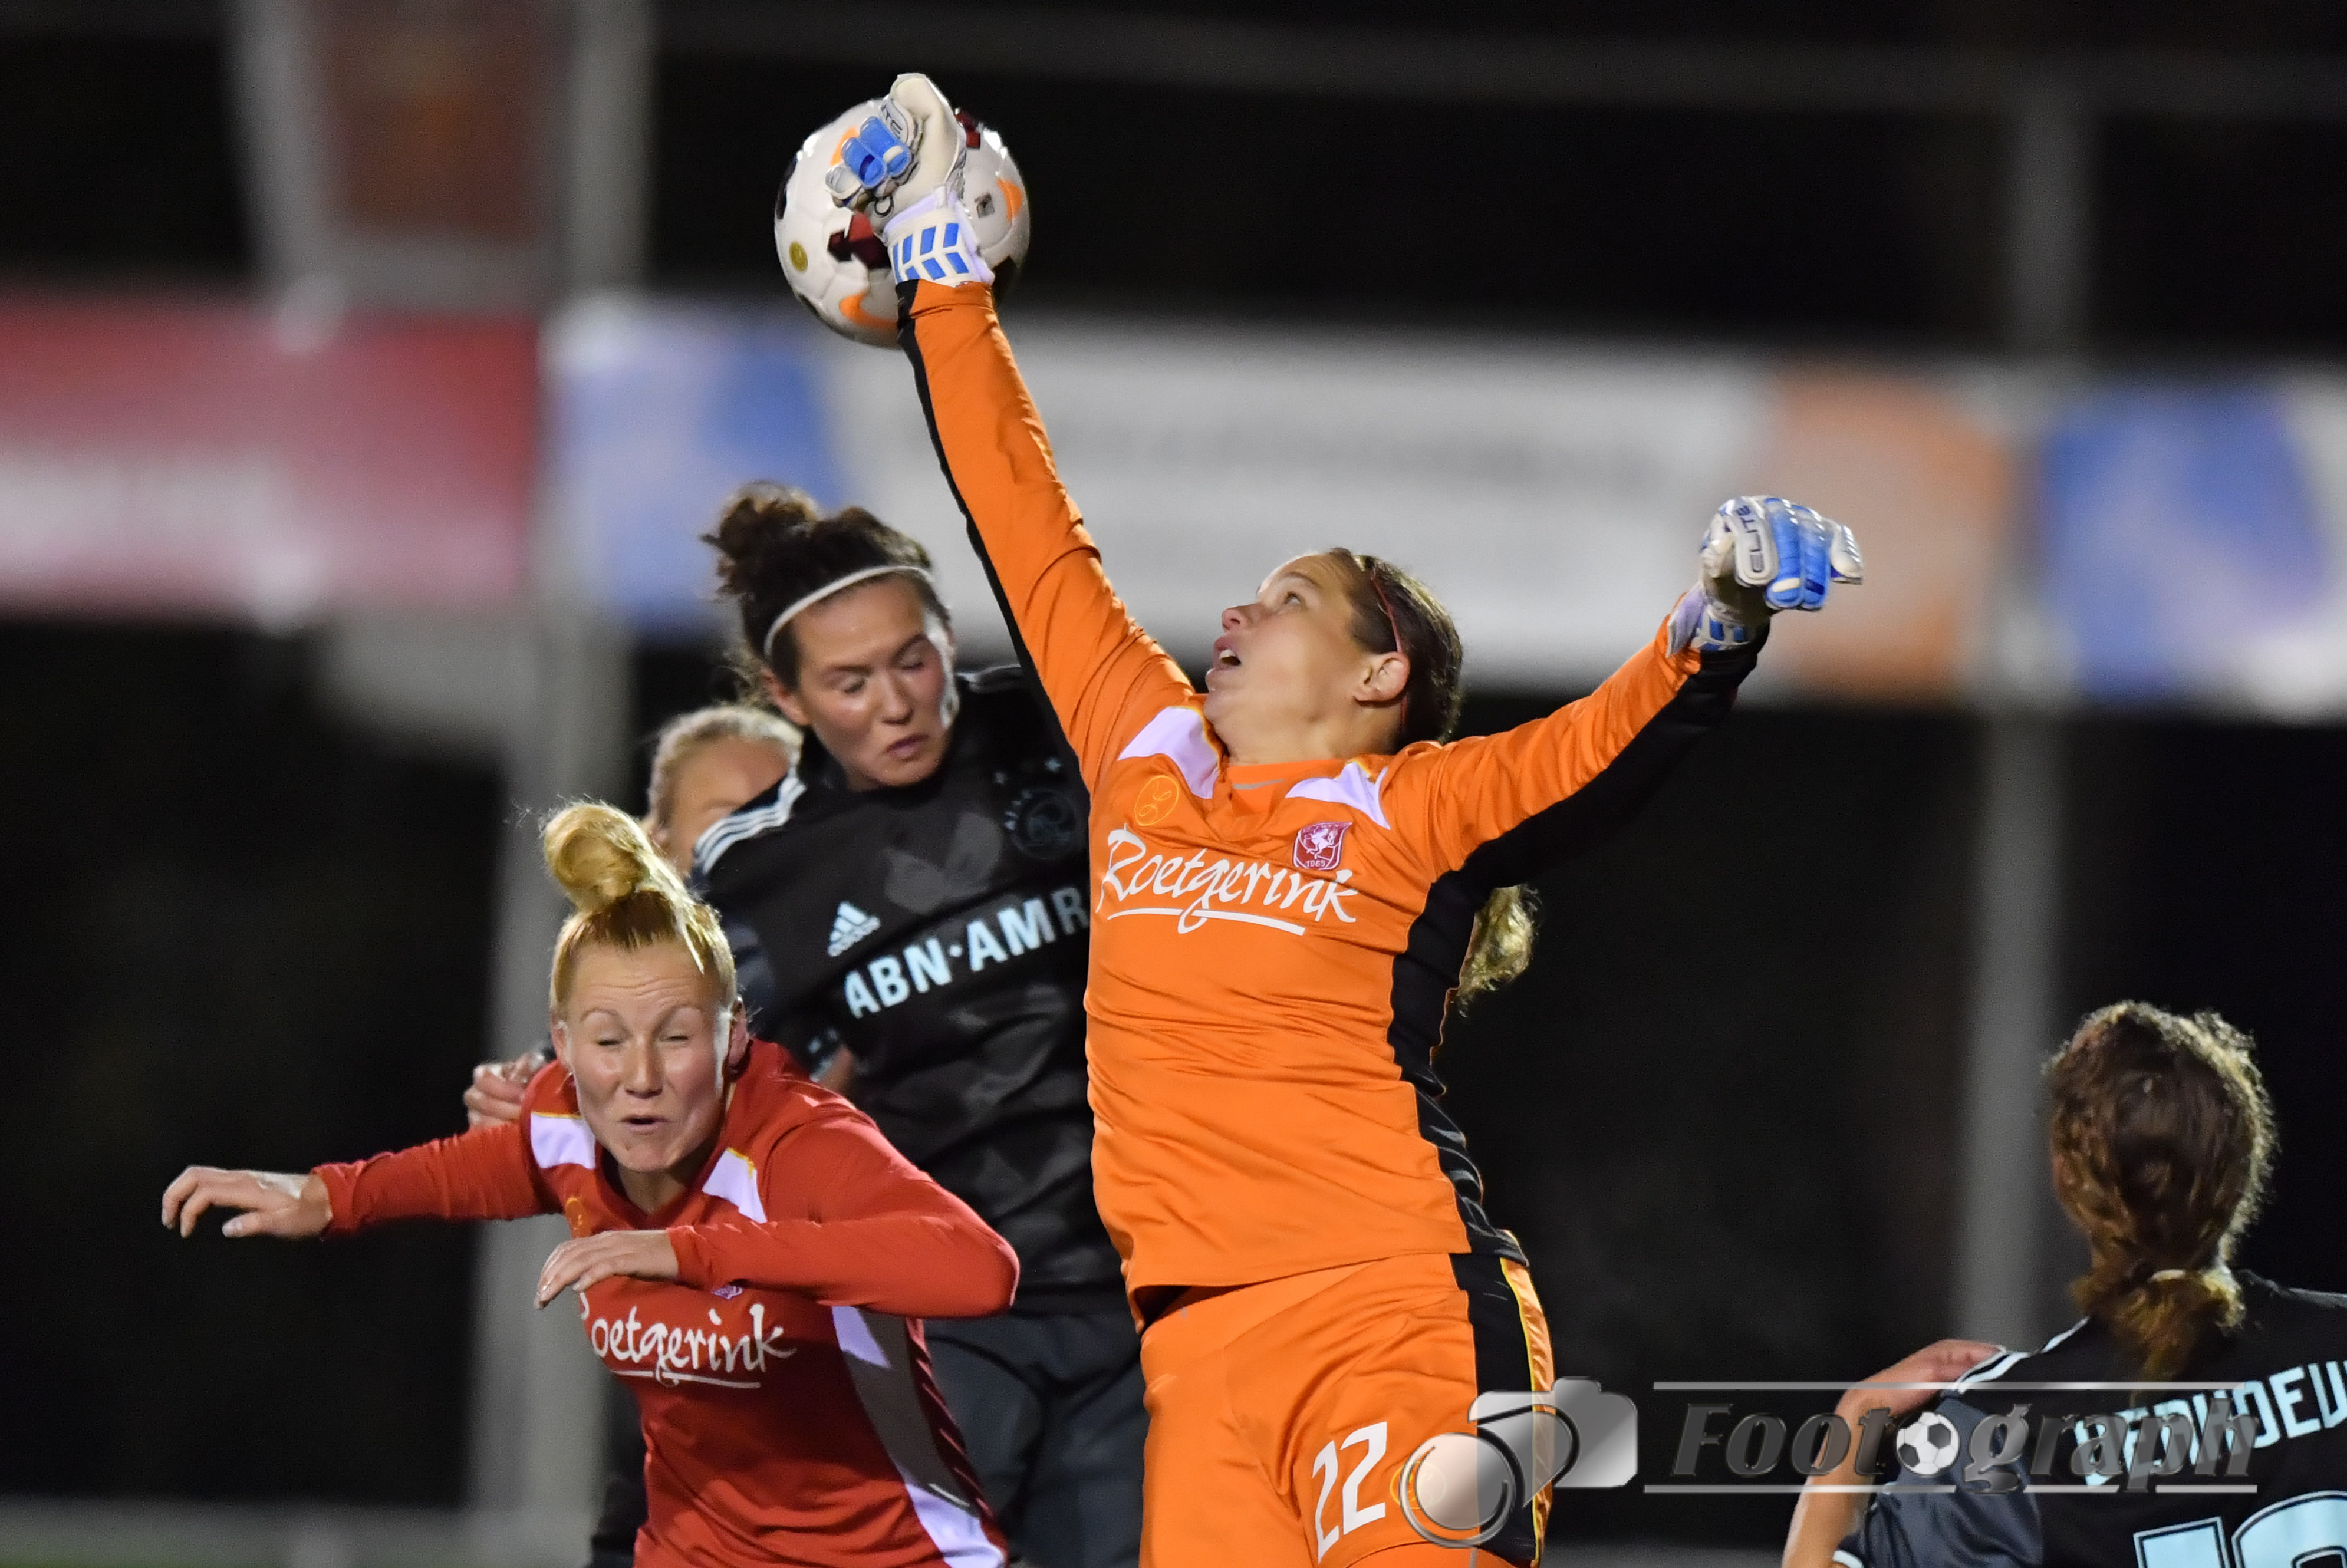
(2176, 525)
(656, 414)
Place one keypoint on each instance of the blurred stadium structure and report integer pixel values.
(452, 435)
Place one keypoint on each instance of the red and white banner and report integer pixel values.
(198, 460)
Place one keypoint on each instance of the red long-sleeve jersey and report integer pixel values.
(788, 1409)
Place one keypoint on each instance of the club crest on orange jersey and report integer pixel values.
(1156, 801)
(1320, 846)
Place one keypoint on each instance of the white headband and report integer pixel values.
(766, 644)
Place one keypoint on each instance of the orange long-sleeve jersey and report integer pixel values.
(1272, 948)
(788, 1411)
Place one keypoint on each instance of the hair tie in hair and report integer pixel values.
(2171, 1274)
(766, 644)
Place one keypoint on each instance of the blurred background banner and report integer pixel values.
(2195, 544)
(1928, 461)
(1550, 493)
(218, 461)
(656, 412)
(2184, 544)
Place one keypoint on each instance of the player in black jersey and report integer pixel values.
(2204, 1424)
(913, 894)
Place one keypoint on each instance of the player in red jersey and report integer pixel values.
(706, 766)
(745, 1247)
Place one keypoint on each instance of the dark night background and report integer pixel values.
(238, 930)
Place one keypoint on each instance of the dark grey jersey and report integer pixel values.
(940, 932)
(2181, 1498)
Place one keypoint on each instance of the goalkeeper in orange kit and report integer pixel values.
(1290, 877)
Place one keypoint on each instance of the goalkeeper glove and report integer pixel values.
(1761, 554)
(905, 165)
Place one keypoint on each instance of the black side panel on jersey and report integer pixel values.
(1425, 972)
(1503, 1364)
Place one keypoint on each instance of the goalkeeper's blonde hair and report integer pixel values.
(1393, 612)
(624, 895)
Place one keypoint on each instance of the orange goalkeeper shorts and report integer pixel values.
(1280, 1414)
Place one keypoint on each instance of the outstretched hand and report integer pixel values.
(276, 1203)
(589, 1260)
(1761, 555)
(1942, 1361)
(1832, 1502)
(905, 165)
(901, 153)
(498, 1089)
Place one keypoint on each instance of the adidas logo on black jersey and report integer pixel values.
(849, 926)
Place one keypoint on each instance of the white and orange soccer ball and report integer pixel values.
(834, 259)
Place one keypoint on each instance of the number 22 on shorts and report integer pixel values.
(1325, 1464)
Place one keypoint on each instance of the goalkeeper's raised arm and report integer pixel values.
(907, 167)
(904, 167)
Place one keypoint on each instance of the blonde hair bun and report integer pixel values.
(624, 895)
(600, 855)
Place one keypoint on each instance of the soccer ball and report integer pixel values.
(836, 262)
(1927, 1445)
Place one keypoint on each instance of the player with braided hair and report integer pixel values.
(746, 1249)
(2234, 1444)
(2162, 1141)
(1284, 882)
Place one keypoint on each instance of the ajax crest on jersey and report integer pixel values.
(1044, 822)
(836, 262)
(1320, 846)
(1928, 1445)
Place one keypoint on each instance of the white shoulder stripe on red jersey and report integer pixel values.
(1352, 786)
(879, 1355)
(559, 1140)
(735, 1180)
(1179, 735)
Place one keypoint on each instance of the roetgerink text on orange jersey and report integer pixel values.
(1201, 887)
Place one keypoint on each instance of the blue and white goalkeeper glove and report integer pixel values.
(904, 167)
(1761, 554)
